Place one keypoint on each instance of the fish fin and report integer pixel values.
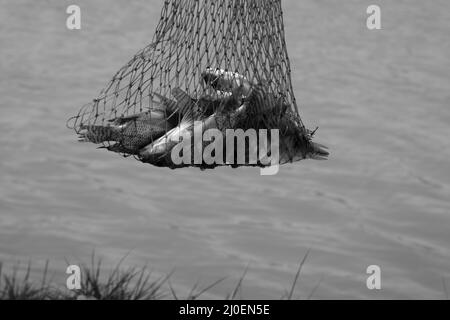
(187, 117)
(125, 119)
(117, 148)
(185, 103)
(169, 105)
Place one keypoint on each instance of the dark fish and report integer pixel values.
(266, 111)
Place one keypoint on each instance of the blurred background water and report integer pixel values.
(381, 99)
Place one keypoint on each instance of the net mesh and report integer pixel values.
(207, 58)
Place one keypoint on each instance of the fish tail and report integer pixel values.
(98, 134)
(319, 151)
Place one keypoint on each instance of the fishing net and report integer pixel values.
(223, 63)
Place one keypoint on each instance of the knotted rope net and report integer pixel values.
(223, 63)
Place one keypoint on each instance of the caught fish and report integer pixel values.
(130, 133)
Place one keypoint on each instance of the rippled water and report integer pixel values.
(381, 99)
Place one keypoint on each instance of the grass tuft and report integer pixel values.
(19, 287)
(119, 284)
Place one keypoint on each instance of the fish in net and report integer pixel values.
(220, 65)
